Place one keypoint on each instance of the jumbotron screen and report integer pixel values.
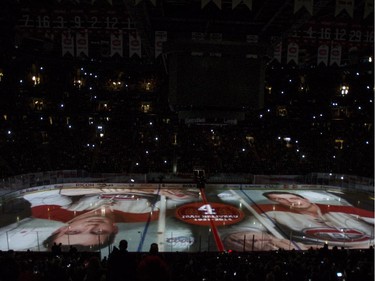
(226, 82)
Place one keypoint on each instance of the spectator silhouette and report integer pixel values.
(73, 250)
(154, 249)
(94, 270)
(56, 248)
(9, 267)
(153, 267)
(121, 264)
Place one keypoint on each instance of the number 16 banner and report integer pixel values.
(323, 53)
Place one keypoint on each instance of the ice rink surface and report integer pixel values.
(183, 218)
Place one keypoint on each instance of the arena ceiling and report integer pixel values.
(262, 18)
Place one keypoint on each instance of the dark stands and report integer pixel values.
(321, 264)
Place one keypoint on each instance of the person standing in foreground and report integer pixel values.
(121, 264)
(153, 267)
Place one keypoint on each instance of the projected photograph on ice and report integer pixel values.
(300, 219)
(96, 216)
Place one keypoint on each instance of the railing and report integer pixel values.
(71, 176)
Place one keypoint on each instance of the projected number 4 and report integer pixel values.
(207, 209)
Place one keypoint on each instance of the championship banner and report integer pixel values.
(205, 2)
(116, 43)
(160, 37)
(67, 43)
(323, 53)
(139, 1)
(299, 4)
(344, 5)
(82, 43)
(197, 36)
(369, 8)
(248, 3)
(252, 39)
(135, 44)
(335, 55)
(217, 37)
(292, 53)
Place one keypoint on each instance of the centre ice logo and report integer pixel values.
(205, 214)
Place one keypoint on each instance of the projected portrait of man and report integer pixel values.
(88, 218)
(306, 221)
(88, 231)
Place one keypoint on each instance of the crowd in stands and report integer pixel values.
(303, 127)
(281, 265)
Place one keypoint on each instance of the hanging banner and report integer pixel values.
(335, 55)
(135, 44)
(205, 2)
(323, 53)
(139, 1)
(67, 43)
(217, 37)
(344, 5)
(160, 37)
(252, 39)
(82, 43)
(292, 53)
(277, 52)
(369, 8)
(197, 36)
(248, 3)
(116, 43)
(299, 4)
